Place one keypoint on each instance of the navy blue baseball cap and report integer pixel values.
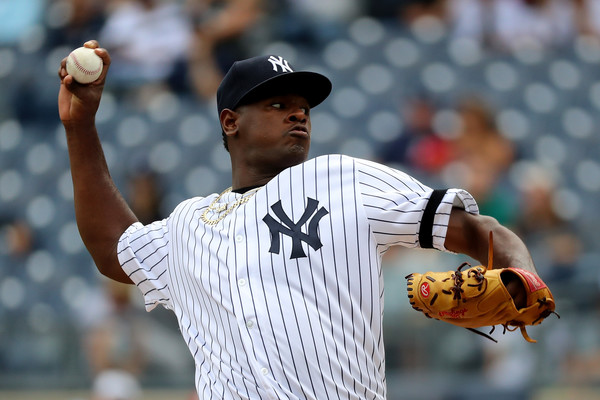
(260, 77)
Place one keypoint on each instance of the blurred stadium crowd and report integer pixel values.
(501, 97)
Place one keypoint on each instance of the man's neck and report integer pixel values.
(248, 176)
(243, 178)
(245, 189)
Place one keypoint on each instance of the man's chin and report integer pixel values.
(297, 155)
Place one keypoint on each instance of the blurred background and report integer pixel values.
(500, 97)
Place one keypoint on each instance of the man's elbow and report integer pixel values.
(111, 268)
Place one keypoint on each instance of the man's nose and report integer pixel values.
(298, 115)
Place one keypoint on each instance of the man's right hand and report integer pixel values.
(78, 103)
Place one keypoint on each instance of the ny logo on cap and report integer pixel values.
(279, 61)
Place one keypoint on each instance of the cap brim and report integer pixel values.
(313, 86)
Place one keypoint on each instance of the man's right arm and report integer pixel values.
(101, 212)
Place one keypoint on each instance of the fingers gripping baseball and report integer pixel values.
(84, 65)
(78, 102)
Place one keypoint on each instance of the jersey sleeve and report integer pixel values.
(395, 204)
(143, 253)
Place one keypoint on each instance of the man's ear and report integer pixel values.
(229, 121)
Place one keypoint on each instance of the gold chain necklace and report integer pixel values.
(224, 209)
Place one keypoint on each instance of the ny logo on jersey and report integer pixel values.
(293, 230)
(279, 61)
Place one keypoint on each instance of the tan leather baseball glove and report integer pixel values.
(477, 297)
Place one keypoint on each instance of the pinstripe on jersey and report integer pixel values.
(263, 325)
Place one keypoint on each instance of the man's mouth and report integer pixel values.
(299, 130)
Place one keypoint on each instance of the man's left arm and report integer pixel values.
(469, 234)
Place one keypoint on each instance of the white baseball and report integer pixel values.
(84, 65)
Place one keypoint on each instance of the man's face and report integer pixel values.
(275, 132)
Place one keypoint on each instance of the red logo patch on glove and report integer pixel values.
(425, 289)
(533, 281)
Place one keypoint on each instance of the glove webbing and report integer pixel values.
(507, 326)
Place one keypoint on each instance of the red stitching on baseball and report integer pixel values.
(82, 69)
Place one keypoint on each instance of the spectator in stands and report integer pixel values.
(145, 196)
(315, 22)
(114, 385)
(114, 346)
(148, 40)
(411, 10)
(72, 22)
(587, 17)
(406, 11)
(550, 236)
(509, 367)
(418, 146)
(223, 31)
(479, 138)
(581, 363)
(18, 241)
(511, 24)
(537, 187)
(484, 157)
(471, 19)
(547, 22)
(17, 238)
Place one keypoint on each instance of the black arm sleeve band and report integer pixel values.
(425, 232)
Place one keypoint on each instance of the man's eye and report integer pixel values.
(277, 105)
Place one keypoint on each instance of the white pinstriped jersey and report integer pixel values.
(283, 298)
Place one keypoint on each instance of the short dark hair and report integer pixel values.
(225, 144)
